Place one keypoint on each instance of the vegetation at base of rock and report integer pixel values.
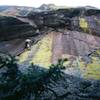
(44, 84)
(14, 84)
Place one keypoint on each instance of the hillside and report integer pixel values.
(56, 33)
(78, 19)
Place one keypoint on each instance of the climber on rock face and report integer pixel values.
(28, 44)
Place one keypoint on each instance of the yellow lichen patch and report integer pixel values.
(44, 53)
(91, 70)
(23, 56)
(83, 24)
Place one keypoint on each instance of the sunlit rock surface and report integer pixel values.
(86, 19)
(79, 19)
(40, 53)
(71, 33)
(74, 46)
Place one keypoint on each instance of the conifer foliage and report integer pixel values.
(20, 86)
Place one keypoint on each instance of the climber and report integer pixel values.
(28, 44)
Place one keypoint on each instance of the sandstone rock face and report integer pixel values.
(58, 45)
(11, 28)
(78, 19)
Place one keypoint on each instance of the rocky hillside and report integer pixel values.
(79, 19)
(11, 28)
(47, 17)
(23, 11)
(56, 33)
(63, 32)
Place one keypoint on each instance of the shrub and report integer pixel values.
(16, 85)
